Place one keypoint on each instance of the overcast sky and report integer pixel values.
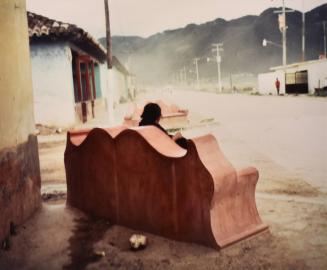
(147, 17)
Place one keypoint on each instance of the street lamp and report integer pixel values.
(265, 42)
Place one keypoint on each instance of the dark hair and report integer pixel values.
(151, 113)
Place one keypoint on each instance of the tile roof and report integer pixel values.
(41, 28)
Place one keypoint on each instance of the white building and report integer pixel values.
(297, 78)
(68, 71)
(120, 82)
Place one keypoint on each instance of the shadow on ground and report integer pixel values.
(86, 233)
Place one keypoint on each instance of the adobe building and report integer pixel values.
(19, 162)
(69, 73)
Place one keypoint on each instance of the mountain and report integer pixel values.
(160, 56)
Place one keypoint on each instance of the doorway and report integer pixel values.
(297, 82)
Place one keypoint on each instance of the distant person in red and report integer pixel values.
(277, 84)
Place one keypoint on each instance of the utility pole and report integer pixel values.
(303, 32)
(282, 28)
(110, 92)
(284, 35)
(324, 22)
(108, 35)
(197, 71)
(218, 47)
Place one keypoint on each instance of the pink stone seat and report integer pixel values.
(140, 178)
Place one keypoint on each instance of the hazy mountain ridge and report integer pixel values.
(160, 56)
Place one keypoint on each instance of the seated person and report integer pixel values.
(151, 116)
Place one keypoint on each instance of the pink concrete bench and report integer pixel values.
(140, 178)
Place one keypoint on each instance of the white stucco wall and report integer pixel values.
(104, 79)
(266, 82)
(118, 85)
(53, 84)
(107, 92)
(317, 76)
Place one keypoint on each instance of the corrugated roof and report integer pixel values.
(299, 64)
(46, 29)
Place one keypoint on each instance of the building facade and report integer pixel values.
(120, 82)
(297, 78)
(66, 67)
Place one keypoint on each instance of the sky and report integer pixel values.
(147, 17)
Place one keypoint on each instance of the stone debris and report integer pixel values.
(99, 253)
(138, 242)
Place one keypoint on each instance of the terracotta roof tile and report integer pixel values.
(43, 28)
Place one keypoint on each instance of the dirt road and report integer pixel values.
(284, 137)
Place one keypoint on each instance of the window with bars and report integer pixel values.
(84, 82)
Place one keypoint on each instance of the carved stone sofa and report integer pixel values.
(140, 178)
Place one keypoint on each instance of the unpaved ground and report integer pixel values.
(291, 196)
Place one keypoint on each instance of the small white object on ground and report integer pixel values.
(100, 253)
(137, 241)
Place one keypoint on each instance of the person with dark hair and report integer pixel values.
(151, 116)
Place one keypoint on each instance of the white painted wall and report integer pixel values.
(104, 79)
(317, 77)
(53, 84)
(118, 85)
(107, 92)
(266, 82)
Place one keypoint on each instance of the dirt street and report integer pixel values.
(284, 137)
